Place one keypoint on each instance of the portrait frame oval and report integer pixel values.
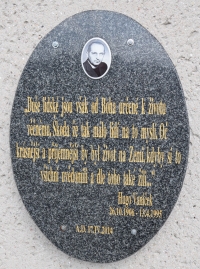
(106, 59)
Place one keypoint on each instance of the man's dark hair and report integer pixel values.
(95, 42)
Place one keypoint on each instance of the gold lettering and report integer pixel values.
(82, 106)
(124, 199)
(107, 107)
(169, 156)
(49, 175)
(68, 154)
(142, 179)
(100, 177)
(38, 130)
(155, 156)
(129, 212)
(130, 108)
(122, 156)
(66, 108)
(109, 155)
(60, 130)
(100, 131)
(163, 131)
(49, 106)
(142, 200)
(114, 130)
(27, 153)
(95, 106)
(85, 132)
(129, 179)
(143, 107)
(150, 213)
(136, 156)
(178, 157)
(84, 153)
(74, 130)
(113, 178)
(95, 153)
(80, 229)
(32, 106)
(125, 132)
(134, 132)
(149, 133)
(158, 108)
(75, 177)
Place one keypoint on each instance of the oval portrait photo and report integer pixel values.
(96, 58)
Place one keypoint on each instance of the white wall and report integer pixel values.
(176, 24)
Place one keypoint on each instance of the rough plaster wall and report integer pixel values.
(176, 24)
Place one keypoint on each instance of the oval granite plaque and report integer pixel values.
(99, 136)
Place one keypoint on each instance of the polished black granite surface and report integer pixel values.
(100, 167)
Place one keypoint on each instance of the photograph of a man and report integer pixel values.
(94, 52)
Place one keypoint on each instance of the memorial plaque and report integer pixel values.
(99, 136)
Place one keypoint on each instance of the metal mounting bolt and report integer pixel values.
(63, 228)
(133, 232)
(55, 44)
(130, 42)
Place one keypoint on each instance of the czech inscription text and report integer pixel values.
(136, 204)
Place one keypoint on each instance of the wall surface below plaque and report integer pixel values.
(176, 26)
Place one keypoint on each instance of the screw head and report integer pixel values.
(130, 42)
(55, 44)
(133, 232)
(63, 228)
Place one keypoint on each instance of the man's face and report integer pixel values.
(96, 53)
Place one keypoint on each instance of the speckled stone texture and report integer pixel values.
(176, 26)
(139, 72)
